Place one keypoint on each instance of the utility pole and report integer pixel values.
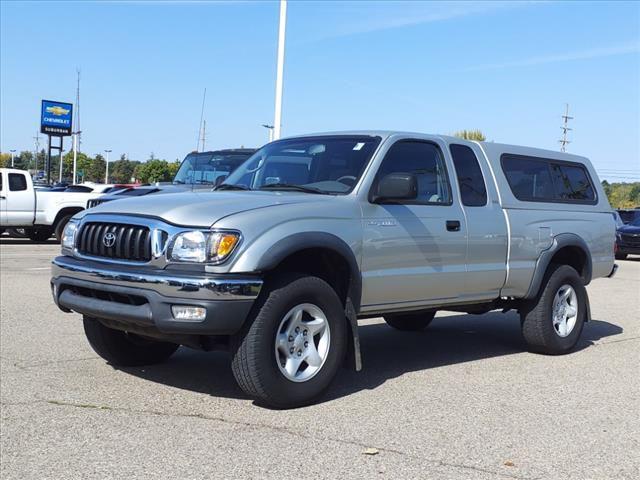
(270, 128)
(106, 175)
(565, 128)
(277, 121)
(12, 152)
(200, 128)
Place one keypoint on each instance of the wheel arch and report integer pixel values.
(566, 249)
(64, 212)
(329, 257)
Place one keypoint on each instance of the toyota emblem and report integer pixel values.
(109, 239)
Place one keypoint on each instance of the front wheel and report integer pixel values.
(553, 322)
(125, 349)
(59, 230)
(292, 344)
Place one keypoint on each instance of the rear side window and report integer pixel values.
(472, 187)
(425, 161)
(17, 182)
(536, 179)
(572, 183)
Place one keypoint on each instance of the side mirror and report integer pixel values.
(219, 180)
(395, 187)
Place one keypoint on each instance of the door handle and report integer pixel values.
(453, 225)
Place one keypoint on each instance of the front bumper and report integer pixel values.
(132, 295)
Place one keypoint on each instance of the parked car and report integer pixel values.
(314, 232)
(628, 215)
(40, 212)
(198, 171)
(628, 238)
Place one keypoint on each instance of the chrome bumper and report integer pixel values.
(131, 297)
(168, 284)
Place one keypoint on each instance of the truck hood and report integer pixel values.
(201, 209)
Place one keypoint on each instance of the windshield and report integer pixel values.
(636, 221)
(208, 167)
(331, 164)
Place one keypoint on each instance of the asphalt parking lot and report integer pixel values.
(460, 400)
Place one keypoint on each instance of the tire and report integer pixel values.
(39, 234)
(259, 365)
(540, 331)
(125, 349)
(413, 322)
(59, 230)
(621, 256)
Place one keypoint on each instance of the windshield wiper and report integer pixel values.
(297, 188)
(231, 186)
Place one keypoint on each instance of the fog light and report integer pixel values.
(186, 313)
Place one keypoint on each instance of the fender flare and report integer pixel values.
(559, 241)
(306, 240)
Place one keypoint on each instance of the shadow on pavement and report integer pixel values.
(4, 240)
(386, 354)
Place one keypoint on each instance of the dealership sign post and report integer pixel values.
(55, 121)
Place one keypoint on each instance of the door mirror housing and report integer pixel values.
(396, 187)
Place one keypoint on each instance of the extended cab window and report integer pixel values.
(17, 182)
(546, 180)
(472, 188)
(425, 161)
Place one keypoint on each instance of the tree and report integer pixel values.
(476, 135)
(153, 170)
(5, 160)
(122, 171)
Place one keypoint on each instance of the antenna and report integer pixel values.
(200, 128)
(204, 132)
(565, 128)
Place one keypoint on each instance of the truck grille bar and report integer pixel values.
(115, 240)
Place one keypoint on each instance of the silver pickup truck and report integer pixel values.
(314, 232)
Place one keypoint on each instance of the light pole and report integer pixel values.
(270, 128)
(60, 176)
(106, 175)
(75, 155)
(12, 152)
(277, 121)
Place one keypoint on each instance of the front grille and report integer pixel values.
(131, 242)
(94, 202)
(631, 239)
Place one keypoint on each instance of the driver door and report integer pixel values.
(414, 252)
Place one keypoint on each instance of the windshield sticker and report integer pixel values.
(358, 146)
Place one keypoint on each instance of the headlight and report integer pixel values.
(202, 247)
(69, 236)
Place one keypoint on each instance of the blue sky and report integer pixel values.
(435, 67)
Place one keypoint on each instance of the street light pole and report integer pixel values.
(270, 128)
(277, 122)
(60, 176)
(106, 175)
(12, 152)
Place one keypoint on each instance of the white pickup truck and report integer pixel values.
(40, 212)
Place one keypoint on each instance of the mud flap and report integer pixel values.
(354, 359)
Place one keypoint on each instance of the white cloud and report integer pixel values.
(392, 15)
(598, 52)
